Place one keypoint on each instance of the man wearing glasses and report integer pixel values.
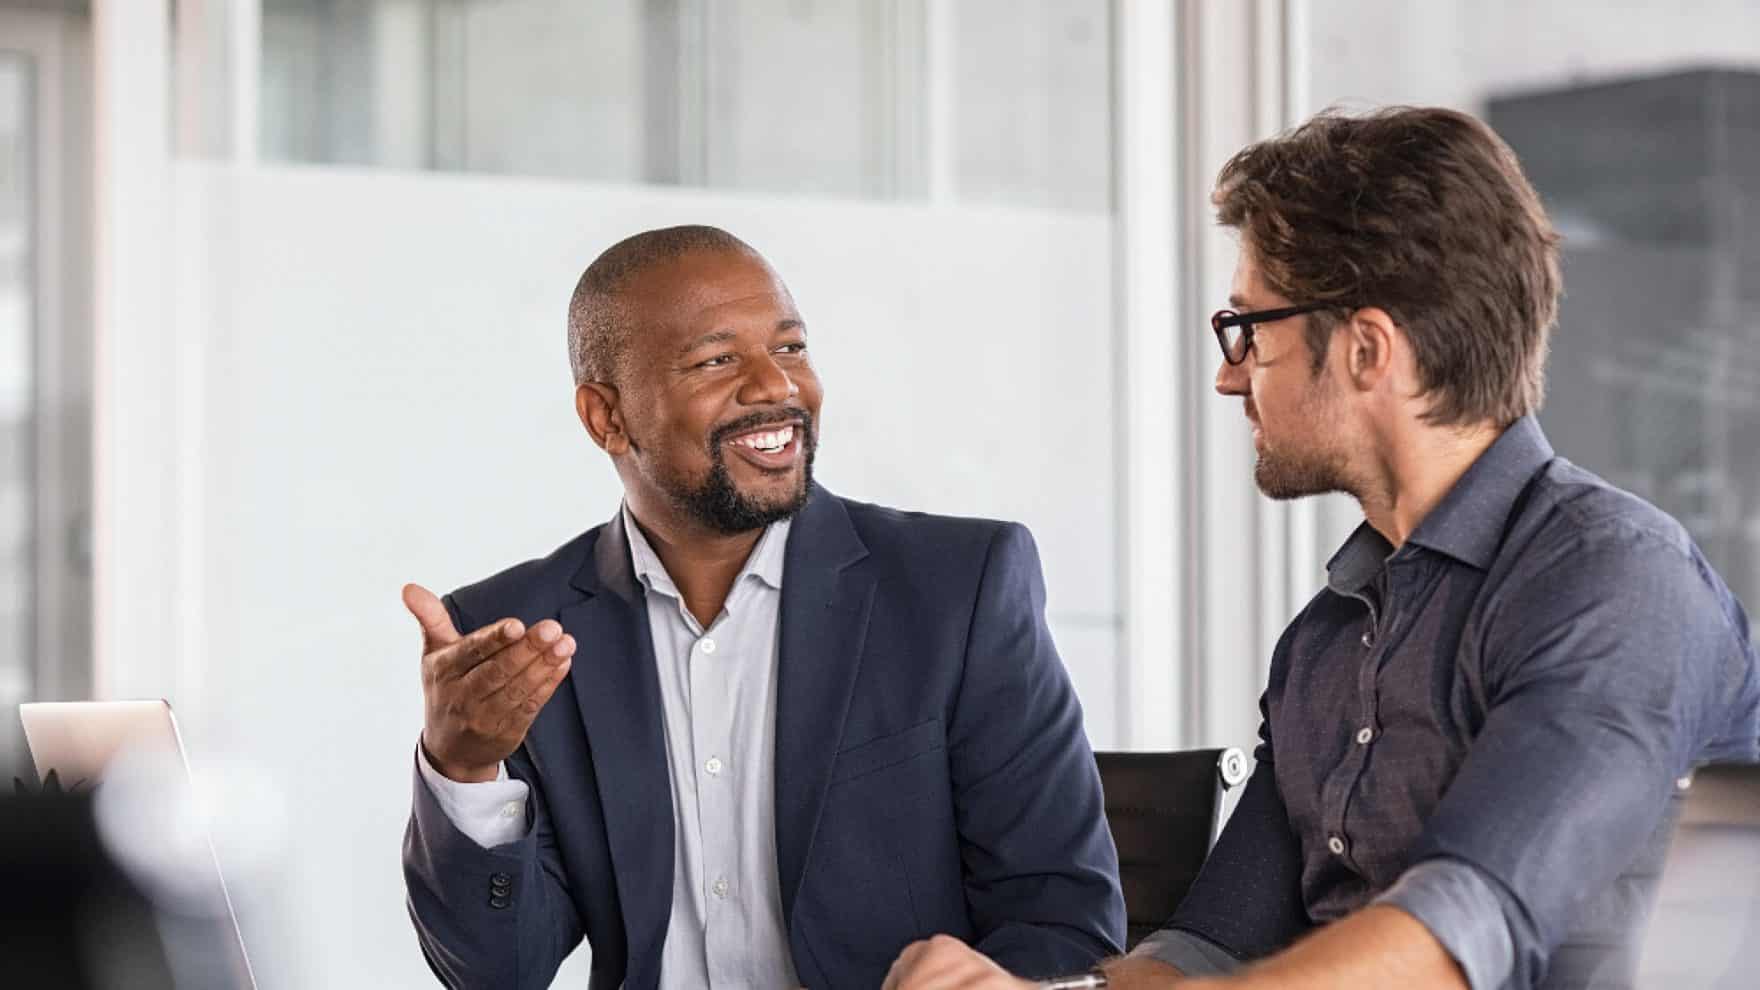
(1471, 735)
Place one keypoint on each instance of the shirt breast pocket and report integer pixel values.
(888, 752)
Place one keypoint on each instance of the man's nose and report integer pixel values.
(767, 382)
(1231, 379)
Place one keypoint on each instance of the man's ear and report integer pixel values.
(1370, 336)
(597, 406)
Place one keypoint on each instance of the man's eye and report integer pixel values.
(792, 349)
(717, 361)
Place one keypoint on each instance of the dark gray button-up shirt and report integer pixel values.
(1484, 727)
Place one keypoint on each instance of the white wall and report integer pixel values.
(387, 399)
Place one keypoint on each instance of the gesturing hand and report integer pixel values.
(482, 691)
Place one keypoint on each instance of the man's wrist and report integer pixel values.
(458, 774)
(1142, 972)
(1093, 979)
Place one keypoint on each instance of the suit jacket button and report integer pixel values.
(498, 902)
(500, 879)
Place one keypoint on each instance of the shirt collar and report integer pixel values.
(1357, 561)
(764, 563)
(1468, 523)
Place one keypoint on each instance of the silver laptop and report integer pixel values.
(79, 740)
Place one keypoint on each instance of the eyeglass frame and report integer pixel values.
(1223, 319)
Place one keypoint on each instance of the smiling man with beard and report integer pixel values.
(747, 733)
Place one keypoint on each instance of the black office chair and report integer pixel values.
(1704, 929)
(1163, 809)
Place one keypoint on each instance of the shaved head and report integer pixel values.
(599, 324)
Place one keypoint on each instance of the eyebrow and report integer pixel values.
(1237, 303)
(712, 337)
(724, 335)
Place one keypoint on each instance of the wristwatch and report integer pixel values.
(1093, 979)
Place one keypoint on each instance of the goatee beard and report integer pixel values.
(1285, 478)
(718, 503)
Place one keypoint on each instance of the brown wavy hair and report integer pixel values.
(1425, 213)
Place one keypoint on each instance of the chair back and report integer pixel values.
(1164, 810)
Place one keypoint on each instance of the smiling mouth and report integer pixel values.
(766, 441)
(772, 448)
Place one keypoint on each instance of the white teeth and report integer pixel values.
(770, 442)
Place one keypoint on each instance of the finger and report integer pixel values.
(506, 663)
(516, 714)
(948, 962)
(901, 967)
(437, 629)
(541, 697)
(460, 658)
(538, 672)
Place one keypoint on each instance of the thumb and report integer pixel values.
(437, 629)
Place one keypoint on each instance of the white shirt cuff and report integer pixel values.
(492, 812)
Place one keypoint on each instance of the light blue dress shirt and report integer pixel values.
(718, 699)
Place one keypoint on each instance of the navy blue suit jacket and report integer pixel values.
(932, 774)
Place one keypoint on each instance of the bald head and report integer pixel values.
(599, 323)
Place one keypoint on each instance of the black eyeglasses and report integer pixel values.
(1234, 331)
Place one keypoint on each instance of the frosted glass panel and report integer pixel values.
(983, 101)
(17, 459)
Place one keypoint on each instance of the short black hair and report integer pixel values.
(598, 324)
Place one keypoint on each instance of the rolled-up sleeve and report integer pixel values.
(1605, 669)
(1462, 911)
(1192, 955)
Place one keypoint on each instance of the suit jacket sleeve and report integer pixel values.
(471, 933)
(1040, 871)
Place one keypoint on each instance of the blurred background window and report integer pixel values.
(984, 101)
(17, 398)
(45, 363)
(1639, 125)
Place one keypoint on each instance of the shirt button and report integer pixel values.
(713, 766)
(719, 887)
(1364, 735)
(707, 645)
(1369, 638)
(1335, 844)
(510, 809)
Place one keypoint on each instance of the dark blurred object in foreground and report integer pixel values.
(71, 919)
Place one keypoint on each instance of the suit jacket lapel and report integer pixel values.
(618, 689)
(826, 597)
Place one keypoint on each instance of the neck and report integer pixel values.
(1414, 467)
(703, 563)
